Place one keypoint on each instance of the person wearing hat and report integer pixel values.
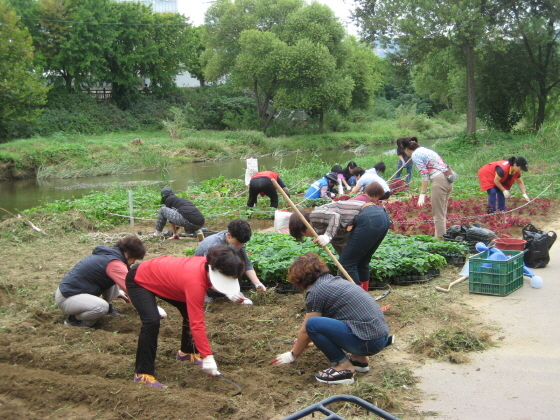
(182, 282)
(179, 212)
(322, 188)
(261, 184)
(498, 177)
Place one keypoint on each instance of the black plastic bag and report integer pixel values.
(537, 246)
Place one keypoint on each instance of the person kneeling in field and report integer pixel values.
(100, 274)
(182, 282)
(341, 318)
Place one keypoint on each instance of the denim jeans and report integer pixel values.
(400, 167)
(495, 194)
(334, 338)
(371, 226)
(145, 303)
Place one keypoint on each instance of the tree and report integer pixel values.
(365, 69)
(535, 25)
(426, 25)
(22, 92)
(193, 63)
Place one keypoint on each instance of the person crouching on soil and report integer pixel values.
(102, 273)
(182, 282)
(323, 188)
(355, 229)
(179, 212)
(237, 235)
(498, 177)
(341, 318)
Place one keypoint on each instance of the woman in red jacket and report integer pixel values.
(497, 178)
(182, 282)
(261, 184)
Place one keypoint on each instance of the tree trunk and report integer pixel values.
(541, 111)
(468, 50)
(271, 114)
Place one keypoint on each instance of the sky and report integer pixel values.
(195, 9)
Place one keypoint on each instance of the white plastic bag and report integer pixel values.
(282, 220)
(252, 169)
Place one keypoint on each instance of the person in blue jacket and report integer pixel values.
(322, 188)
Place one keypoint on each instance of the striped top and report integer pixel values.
(332, 219)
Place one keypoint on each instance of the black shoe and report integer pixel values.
(113, 312)
(72, 320)
(361, 367)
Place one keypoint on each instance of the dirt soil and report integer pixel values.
(50, 370)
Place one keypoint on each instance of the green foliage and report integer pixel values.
(22, 91)
(398, 255)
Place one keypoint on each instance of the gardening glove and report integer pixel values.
(287, 191)
(209, 366)
(162, 313)
(507, 194)
(284, 359)
(421, 200)
(123, 296)
(322, 240)
(526, 197)
(237, 298)
(260, 287)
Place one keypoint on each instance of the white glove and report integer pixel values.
(421, 200)
(162, 313)
(123, 296)
(284, 359)
(209, 366)
(237, 298)
(323, 240)
(260, 287)
(526, 197)
(507, 194)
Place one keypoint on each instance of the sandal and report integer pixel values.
(331, 376)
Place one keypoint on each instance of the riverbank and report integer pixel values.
(66, 155)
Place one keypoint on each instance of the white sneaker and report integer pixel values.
(200, 235)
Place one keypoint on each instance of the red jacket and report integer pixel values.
(487, 173)
(268, 174)
(183, 279)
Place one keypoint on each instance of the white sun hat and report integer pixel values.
(222, 283)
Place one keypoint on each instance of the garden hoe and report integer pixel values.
(464, 275)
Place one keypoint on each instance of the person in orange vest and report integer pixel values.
(261, 184)
(497, 178)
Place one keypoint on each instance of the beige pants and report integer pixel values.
(441, 190)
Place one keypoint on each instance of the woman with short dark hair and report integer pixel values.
(341, 318)
(100, 274)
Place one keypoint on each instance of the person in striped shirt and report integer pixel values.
(354, 228)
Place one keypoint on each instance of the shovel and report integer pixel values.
(464, 275)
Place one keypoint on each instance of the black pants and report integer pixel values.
(262, 184)
(145, 303)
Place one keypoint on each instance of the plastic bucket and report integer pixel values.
(510, 244)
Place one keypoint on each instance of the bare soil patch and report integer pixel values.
(49, 370)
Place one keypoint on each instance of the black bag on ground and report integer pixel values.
(537, 246)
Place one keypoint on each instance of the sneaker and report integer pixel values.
(190, 357)
(75, 322)
(361, 367)
(113, 312)
(149, 380)
(200, 235)
(391, 340)
(331, 376)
